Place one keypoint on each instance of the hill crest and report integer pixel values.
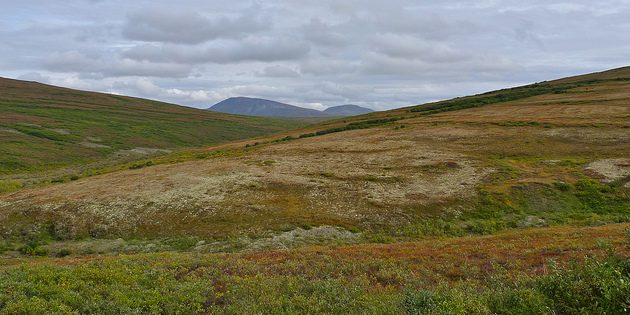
(251, 106)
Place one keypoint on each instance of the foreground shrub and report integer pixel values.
(169, 284)
(594, 287)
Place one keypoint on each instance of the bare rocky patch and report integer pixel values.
(609, 170)
(589, 135)
(300, 236)
(64, 132)
(94, 139)
(355, 178)
(93, 145)
(9, 130)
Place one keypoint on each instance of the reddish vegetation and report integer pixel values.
(524, 250)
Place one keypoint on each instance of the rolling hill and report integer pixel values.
(44, 127)
(385, 170)
(511, 201)
(262, 107)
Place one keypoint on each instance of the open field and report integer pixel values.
(450, 207)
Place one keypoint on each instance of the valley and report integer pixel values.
(420, 209)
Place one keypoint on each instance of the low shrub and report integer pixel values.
(63, 253)
(594, 287)
(33, 249)
(9, 185)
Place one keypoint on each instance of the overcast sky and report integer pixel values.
(379, 54)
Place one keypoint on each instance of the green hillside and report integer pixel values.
(43, 127)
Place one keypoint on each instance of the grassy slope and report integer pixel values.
(421, 183)
(44, 127)
(477, 170)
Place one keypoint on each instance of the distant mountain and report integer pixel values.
(347, 110)
(262, 107)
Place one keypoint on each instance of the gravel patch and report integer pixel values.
(609, 170)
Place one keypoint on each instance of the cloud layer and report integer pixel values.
(314, 54)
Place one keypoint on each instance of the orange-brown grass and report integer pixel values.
(428, 261)
(456, 258)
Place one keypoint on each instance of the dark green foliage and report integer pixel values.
(41, 133)
(562, 186)
(181, 243)
(352, 126)
(595, 287)
(33, 249)
(287, 138)
(63, 253)
(140, 164)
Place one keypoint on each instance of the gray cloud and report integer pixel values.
(266, 49)
(409, 47)
(278, 71)
(312, 53)
(189, 27)
(34, 76)
(318, 32)
(324, 66)
(76, 62)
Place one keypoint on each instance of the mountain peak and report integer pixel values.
(262, 107)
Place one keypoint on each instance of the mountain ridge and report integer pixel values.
(251, 106)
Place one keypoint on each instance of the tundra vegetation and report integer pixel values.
(513, 201)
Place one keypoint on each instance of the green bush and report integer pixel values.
(601, 287)
(562, 186)
(181, 243)
(33, 249)
(594, 287)
(63, 253)
(141, 164)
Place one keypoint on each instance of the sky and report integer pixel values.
(315, 54)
